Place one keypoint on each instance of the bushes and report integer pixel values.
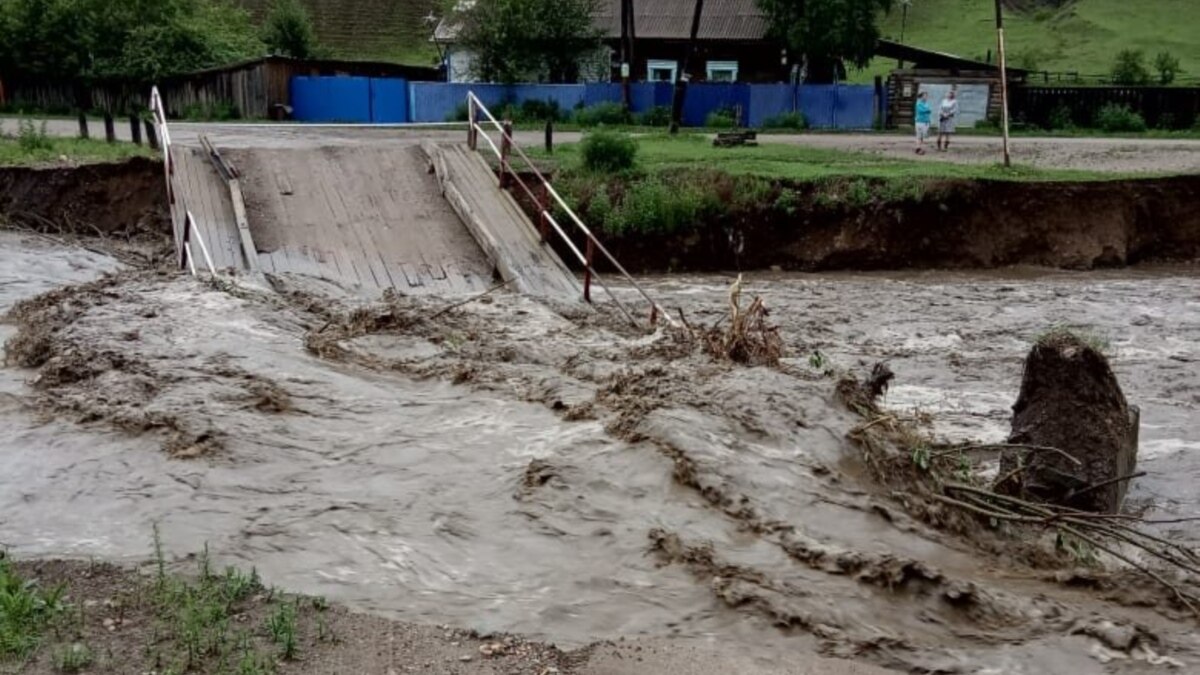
(613, 114)
(792, 120)
(1061, 117)
(33, 138)
(658, 116)
(1118, 117)
(656, 204)
(1167, 67)
(1130, 68)
(608, 151)
(721, 119)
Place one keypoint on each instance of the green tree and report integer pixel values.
(50, 39)
(288, 30)
(514, 40)
(827, 32)
(1130, 67)
(1167, 67)
(138, 40)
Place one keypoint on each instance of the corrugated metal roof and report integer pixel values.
(668, 20)
(672, 19)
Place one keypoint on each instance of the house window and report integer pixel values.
(661, 71)
(722, 71)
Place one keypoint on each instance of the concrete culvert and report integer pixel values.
(1079, 434)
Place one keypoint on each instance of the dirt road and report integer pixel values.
(1119, 155)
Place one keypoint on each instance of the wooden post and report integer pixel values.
(550, 137)
(1003, 81)
(505, 151)
(110, 128)
(151, 135)
(135, 129)
(587, 272)
(83, 125)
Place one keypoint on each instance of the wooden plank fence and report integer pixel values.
(251, 89)
(1162, 107)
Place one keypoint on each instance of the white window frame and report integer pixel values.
(722, 66)
(659, 64)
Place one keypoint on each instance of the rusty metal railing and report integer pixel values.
(182, 221)
(544, 199)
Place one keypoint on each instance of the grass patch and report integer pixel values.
(26, 612)
(798, 163)
(682, 183)
(24, 144)
(1060, 331)
(660, 151)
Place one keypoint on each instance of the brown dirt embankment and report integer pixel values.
(952, 224)
(126, 199)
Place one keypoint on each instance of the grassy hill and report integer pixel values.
(1082, 35)
(1055, 35)
(383, 30)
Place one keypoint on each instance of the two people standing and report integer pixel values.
(947, 119)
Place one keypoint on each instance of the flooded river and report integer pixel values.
(515, 468)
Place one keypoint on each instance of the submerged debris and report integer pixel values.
(1071, 400)
(748, 339)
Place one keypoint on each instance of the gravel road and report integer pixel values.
(1118, 155)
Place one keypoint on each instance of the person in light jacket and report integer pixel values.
(922, 116)
(947, 118)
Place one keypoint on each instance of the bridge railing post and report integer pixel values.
(505, 153)
(472, 120)
(544, 212)
(587, 272)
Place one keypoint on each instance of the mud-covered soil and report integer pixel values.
(122, 200)
(953, 224)
(511, 466)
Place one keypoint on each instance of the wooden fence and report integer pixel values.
(250, 89)
(1162, 107)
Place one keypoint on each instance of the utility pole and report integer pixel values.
(626, 58)
(904, 5)
(681, 78)
(1003, 81)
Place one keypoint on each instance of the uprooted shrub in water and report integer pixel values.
(748, 338)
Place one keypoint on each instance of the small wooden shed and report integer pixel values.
(925, 70)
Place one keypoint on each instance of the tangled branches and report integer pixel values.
(749, 338)
(923, 474)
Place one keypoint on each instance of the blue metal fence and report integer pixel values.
(360, 99)
(331, 99)
(389, 101)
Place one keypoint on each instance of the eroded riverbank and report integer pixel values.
(513, 467)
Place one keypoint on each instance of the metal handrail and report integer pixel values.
(508, 144)
(182, 238)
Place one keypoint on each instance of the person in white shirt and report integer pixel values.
(947, 118)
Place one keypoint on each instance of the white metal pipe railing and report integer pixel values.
(185, 231)
(475, 107)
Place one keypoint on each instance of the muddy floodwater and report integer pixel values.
(521, 468)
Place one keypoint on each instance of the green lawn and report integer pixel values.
(53, 151)
(781, 161)
(1083, 36)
